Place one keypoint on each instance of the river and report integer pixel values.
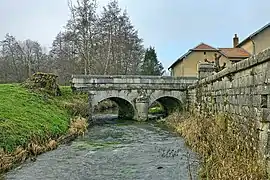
(115, 151)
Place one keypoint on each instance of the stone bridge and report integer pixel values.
(134, 94)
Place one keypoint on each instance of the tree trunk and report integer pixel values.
(108, 55)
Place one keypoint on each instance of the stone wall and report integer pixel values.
(242, 90)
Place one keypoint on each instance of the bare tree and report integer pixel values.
(217, 63)
(9, 53)
(82, 26)
(31, 52)
(90, 43)
(21, 59)
(65, 60)
(123, 51)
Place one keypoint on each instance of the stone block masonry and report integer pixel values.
(242, 90)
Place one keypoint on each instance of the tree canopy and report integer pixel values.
(90, 43)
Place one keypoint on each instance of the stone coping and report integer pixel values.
(131, 77)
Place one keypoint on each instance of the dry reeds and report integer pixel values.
(20, 155)
(78, 126)
(77, 107)
(229, 148)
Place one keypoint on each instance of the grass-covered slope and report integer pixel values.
(25, 115)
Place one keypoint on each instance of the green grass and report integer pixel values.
(67, 94)
(25, 115)
(156, 110)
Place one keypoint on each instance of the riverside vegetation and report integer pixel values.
(228, 148)
(32, 122)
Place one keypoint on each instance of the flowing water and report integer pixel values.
(115, 151)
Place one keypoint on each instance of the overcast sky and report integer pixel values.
(172, 26)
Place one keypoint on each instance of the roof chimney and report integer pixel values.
(235, 40)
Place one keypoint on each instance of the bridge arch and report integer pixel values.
(169, 103)
(125, 107)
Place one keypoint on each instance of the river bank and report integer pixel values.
(115, 150)
(228, 150)
(32, 123)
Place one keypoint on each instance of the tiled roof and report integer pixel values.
(204, 46)
(228, 52)
(200, 47)
(234, 52)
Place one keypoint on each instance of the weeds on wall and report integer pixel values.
(228, 148)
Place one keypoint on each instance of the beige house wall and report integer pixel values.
(188, 66)
(261, 41)
(248, 46)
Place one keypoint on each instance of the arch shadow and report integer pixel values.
(125, 108)
(170, 104)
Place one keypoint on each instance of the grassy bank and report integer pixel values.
(31, 123)
(228, 149)
(24, 115)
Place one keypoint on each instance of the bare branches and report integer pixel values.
(91, 43)
(217, 63)
(21, 59)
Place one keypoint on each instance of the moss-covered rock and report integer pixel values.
(44, 82)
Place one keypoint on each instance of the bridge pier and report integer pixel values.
(141, 105)
(142, 110)
(90, 107)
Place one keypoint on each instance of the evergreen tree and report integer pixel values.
(151, 65)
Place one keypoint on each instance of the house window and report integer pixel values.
(204, 53)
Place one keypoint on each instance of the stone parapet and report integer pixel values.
(205, 70)
(95, 82)
(242, 90)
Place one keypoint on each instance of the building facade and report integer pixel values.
(187, 64)
(257, 41)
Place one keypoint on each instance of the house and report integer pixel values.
(186, 65)
(257, 41)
